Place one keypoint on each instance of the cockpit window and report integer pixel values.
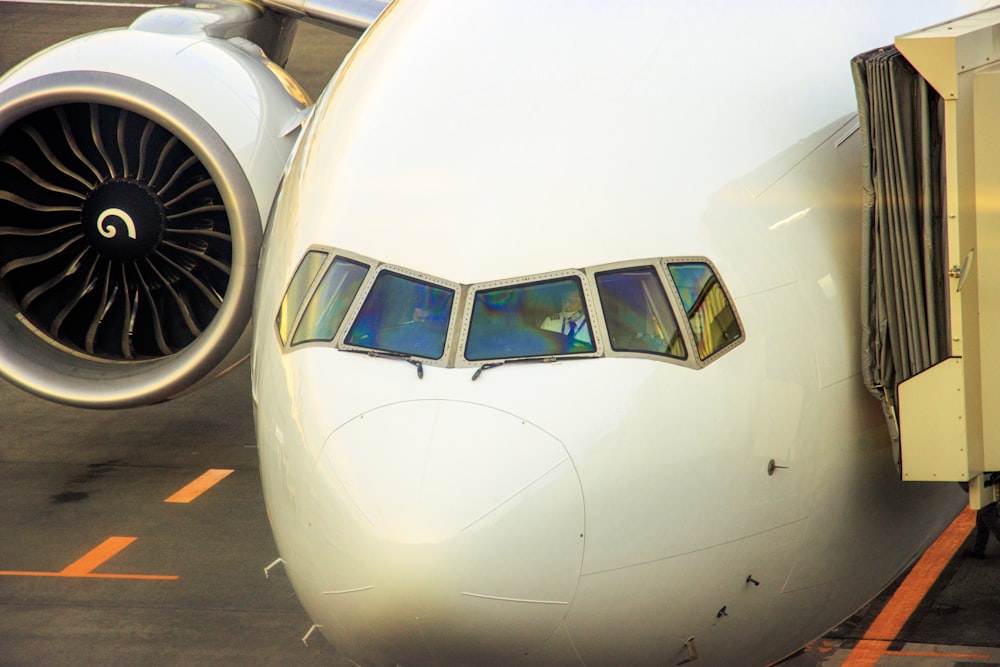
(529, 320)
(404, 315)
(637, 313)
(297, 290)
(713, 320)
(672, 309)
(330, 302)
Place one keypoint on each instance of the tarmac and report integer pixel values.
(98, 567)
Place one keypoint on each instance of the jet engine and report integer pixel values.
(136, 169)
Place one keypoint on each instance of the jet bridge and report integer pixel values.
(930, 115)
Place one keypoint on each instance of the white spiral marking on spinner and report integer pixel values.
(109, 231)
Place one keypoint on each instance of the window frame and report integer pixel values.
(596, 335)
(463, 301)
(331, 255)
(458, 300)
(693, 354)
(285, 341)
(673, 300)
(318, 282)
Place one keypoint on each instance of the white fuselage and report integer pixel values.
(603, 510)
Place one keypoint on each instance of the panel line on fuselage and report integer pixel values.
(503, 599)
(694, 551)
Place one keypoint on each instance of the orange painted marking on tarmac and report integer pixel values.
(933, 654)
(84, 566)
(97, 556)
(826, 646)
(904, 601)
(866, 653)
(199, 486)
(88, 575)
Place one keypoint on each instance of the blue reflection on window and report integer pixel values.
(638, 316)
(403, 315)
(532, 320)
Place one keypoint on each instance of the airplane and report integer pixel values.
(701, 478)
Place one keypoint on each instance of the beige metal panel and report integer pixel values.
(986, 268)
(965, 332)
(960, 208)
(942, 52)
(946, 434)
(932, 424)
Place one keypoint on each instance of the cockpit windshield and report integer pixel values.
(712, 318)
(637, 312)
(529, 320)
(669, 309)
(329, 303)
(404, 315)
(297, 291)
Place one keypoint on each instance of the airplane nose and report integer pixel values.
(454, 534)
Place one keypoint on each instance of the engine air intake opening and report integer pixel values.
(114, 239)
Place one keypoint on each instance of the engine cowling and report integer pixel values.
(136, 169)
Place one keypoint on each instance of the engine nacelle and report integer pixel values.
(136, 169)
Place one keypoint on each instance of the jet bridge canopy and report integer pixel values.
(904, 313)
(932, 245)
